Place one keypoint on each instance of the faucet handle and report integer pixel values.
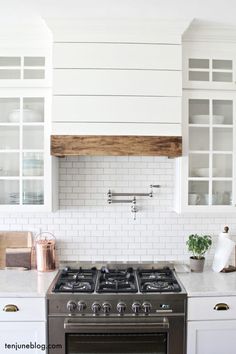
(134, 208)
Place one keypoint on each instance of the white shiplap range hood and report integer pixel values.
(117, 78)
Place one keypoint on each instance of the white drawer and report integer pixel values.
(205, 308)
(29, 309)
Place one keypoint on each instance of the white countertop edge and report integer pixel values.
(27, 284)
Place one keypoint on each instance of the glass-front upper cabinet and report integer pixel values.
(209, 65)
(24, 68)
(24, 150)
(208, 178)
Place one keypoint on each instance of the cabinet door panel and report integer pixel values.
(29, 309)
(209, 66)
(22, 334)
(211, 337)
(208, 152)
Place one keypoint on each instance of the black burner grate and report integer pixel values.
(76, 281)
(157, 280)
(117, 281)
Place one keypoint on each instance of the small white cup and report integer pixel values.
(214, 199)
(193, 198)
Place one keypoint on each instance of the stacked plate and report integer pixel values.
(28, 198)
(204, 119)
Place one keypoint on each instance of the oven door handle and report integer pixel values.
(135, 327)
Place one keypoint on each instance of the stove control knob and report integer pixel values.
(146, 307)
(106, 308)
(121, 307)
(96, 308)
(81, 306)
(136, 307)
(71, 306)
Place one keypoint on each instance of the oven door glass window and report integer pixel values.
(151, 343)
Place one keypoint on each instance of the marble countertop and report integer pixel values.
(17, 283)
(30, 283)
(208, 283)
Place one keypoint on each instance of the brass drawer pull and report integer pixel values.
(10, 308)
(221, 307)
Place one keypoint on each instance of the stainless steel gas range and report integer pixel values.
(117, 310)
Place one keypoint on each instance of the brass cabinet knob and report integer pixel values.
(221, 307)
(10, 308)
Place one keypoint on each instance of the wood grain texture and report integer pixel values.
(76, 145)
(13, 239)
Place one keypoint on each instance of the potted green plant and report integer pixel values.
(198, 245)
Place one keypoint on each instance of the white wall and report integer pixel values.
(87, 228)
(212, 10)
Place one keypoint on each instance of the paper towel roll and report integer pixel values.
(223, 251)
(225, 234)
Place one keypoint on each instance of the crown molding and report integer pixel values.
(33, 34)
(204, 31)
(117, 30)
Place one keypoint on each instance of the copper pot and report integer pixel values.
(45, 252)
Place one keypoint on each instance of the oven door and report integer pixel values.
(118, 336)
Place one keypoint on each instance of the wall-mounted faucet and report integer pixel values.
(134, 208)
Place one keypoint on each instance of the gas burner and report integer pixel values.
(117, 281)
(76, 286)
(76, 280)
(157, 280)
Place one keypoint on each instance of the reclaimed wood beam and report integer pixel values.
(103, 145)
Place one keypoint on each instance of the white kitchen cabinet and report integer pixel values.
(26, 166)
(25, 67)
(28, 336)
(209, 65)
(25, 162)
(206, 172)
(24, 327)
(211, 337)
(211, 331)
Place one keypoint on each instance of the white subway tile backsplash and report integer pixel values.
(87, 228)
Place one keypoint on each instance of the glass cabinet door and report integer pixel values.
(22, 150)
(22, 68)
(210, 151)
(210, 70)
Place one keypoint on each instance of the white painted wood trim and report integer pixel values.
(117, 82)
(116, 109)
(208, 51)
(216, 332)
(117, 56)
(47, 178)
(200, 308)
(14, 51)
(181, 205)
(116, 129)
(208, 31)
(23, 333)
(117, 30)
(30, 309)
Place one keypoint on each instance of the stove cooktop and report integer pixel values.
(76, 281)
(114, 280)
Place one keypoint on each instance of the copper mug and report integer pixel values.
(45, 252)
